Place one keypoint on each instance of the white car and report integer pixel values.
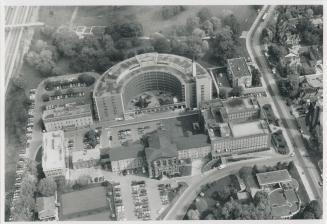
(222, 166)
(292, 154)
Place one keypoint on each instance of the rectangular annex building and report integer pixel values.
(53, 158)
(274, 177)
(239, 72)
(68, 116)
(233, 129)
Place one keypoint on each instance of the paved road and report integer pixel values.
(311, 173)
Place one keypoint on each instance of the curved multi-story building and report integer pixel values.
(189, 82)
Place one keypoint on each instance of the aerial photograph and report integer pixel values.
(163, 112)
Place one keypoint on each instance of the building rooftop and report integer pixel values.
(193, 141)
(160, 146)
(126, 152)
(239, 104)
(273, 177)
(238, 67)
(114, 78)
(248, 128)
(46, 207)
(53, 150)
(85, 155)
(315, 80)
(66, 111)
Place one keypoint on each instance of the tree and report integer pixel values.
(256, 77)
(45, 97)
(222, 93)
(232, 22)
(28, 186)
(86, 78)
(236, 91)
(216, 23)
(223, 46)
(91, 138)
(313, 208)
(208, 27)
(161, 45)
(168, 12)
(275, 53)
(67, 42)
(262, 203)
(193, 214)
(126, 28)
(204, 14)
(192, 23)
(245, 172)
(19, 82)
(47, 186)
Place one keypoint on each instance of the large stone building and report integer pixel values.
(68, 116)
(161, 155)
(187, 81)
(127, 157)
(86, 158)
(239, 72)
(242, 131)
(53, 158)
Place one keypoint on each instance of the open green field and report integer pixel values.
(148, 16)
(83, 203)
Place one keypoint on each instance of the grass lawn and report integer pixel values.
(102, 216)
(150, 17)
(61, 15)
(83, 202)
(219, 186)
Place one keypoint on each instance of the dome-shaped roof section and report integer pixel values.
(113, 79)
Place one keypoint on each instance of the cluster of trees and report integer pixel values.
(168, 12)
(92, 53)
(232, 209)
(91, 138)
(311, 210)
(43, 58)
(24, 207)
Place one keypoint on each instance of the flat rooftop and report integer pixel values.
(130, 151)
(239, 67)
(239, 104)
(53, 150)
(248, 128)
(77, 202)
(114, 78)
(315, 81)
(86, 155)
(70, 110)
(273, 177)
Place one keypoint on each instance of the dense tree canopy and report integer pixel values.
(204, 14)
(47, 186)
(223, 46)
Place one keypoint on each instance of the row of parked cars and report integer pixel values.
(65, 96)
(21, 163)
(119, 207)
(141, 201)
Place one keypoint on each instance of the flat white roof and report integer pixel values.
(86, 155)
(53, 150)
(248, 128)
